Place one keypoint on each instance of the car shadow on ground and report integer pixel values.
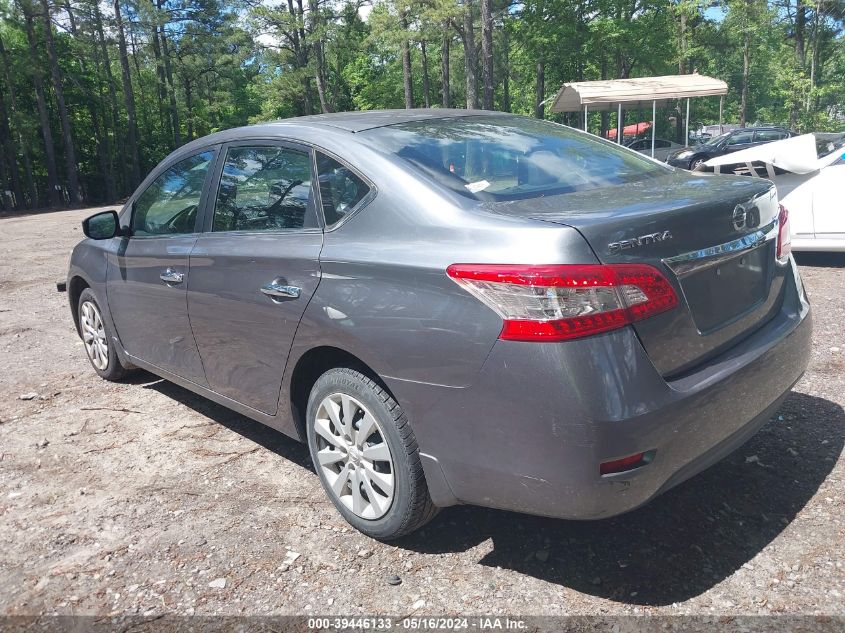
(820, 260)
(670, 550)
(266, 437)
(682, 543)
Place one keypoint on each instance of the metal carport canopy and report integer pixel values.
(641, 91)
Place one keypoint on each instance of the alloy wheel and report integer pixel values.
(94, 335)
(354, 456)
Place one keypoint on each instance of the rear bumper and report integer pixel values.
(531, 431)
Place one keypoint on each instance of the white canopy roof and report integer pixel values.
(638, 92)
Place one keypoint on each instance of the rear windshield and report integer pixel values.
(495, 158)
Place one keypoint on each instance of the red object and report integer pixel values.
(600, 297)
(784, 235)
(621, 465)
(635, 129)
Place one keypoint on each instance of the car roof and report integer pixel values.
(338, 122)
(359, 121)
(759, 128)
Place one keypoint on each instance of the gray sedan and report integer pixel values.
(454, 307)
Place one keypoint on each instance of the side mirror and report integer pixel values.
(102, 226)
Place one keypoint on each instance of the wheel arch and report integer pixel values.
(76, 285)
(313, 364)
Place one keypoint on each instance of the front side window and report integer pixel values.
(341, 189)
(264, 188)
(170, 204)
(502, 157)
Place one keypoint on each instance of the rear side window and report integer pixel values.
(500, 157)
(765, 136)
(170, 204)
(341, 189)
(264, 188)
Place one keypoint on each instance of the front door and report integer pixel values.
(147, 278)
(254, 269)
(739, 141)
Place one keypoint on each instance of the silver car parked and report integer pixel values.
(454, 307)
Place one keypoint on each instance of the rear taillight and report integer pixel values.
(784, 235)
(560, 302)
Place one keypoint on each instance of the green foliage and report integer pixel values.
(197, 66)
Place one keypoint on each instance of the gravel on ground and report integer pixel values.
(142, 498)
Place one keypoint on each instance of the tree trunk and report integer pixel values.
(506, 89)
(15, 123)
(470, 56)
(800, 29)
(144, 118)
(682, 41)
(54, 193)
(171, 89)
(164, 120)
(540, 91)
(487, 53)
(426, 86)
(120, 146)
(71, 168)
(128, 99)
(406, 65)
(746, 62)
(815, 59)
(319, 57)
(189, 105)
(301, 49)
(444, 67)
(101, 134)
(7, 151)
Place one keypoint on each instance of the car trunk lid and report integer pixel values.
(713, 237)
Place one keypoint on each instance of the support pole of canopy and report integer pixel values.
(686, 125)
(721, 104)
(653, 117)
(619, 124)
(585, 117)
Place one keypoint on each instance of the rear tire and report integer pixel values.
(366, 455)
(97, 338)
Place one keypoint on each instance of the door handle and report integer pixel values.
(279, 290)
(170, 276)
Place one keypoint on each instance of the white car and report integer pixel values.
(809, 172)
(662, 147)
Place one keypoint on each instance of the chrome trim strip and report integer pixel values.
(693, 261)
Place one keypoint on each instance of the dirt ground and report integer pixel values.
(141, 498)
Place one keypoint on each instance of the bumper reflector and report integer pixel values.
(626, 463)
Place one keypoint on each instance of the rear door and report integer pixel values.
(254, 268)
(828, 210)
(148, 276)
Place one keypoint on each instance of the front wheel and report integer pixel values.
(97, 339)
(695, 164)
(366, 455)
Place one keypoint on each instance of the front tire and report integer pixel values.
(99, 344)
(366, 455)
(695, 164)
